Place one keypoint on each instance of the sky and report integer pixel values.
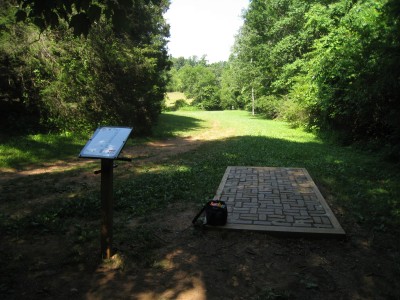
(204, 27)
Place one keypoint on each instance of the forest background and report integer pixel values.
(329, 66)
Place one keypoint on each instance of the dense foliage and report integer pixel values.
(54, 78)
(328, 65)
(123, 15)
(198, 80)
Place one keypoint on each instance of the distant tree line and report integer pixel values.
(198, 80)
(74, 65)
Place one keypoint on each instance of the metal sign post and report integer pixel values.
(106, 144)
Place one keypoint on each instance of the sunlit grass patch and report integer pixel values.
(360, 182)
(18, 152)
(176, 100)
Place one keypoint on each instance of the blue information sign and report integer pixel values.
(106, 142)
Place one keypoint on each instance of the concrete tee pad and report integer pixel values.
(281, 200)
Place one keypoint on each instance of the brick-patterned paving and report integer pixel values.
(275, 199)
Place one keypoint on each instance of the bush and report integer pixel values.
(292, 112)
(268, 106)
(179, 104)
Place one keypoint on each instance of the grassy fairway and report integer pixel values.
(233, 123)
(359, 183)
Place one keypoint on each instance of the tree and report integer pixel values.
(108, 77)
(327, 65)
(354, 69)
(198, 80)
(201, 84)
(81, 15)
(246, 77)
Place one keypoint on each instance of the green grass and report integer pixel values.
(182, 124)
(21, 151)
(178, 101)
(361, 185)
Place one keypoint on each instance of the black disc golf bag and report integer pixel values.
(216, 213)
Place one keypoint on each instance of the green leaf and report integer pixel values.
(68, 7)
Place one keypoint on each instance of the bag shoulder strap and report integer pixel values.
(199, 214)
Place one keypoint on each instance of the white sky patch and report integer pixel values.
(204, 27)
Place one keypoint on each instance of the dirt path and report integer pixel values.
(71, 177)
(153, 151)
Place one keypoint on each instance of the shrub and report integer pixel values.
(268, 106)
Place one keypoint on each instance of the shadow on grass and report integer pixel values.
(171, 124)
(360, 183)
(22, 151)
(166, 258)
(25, 150)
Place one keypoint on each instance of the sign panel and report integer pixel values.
(106, 142)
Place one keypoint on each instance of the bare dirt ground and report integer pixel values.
(184, 262)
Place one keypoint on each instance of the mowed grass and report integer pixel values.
(359, 185)
(24, 151)
(235, 122)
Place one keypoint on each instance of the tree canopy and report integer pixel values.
(81, 15)
(330, 65)
(55, 78)
(327, 65)
(198, 80)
